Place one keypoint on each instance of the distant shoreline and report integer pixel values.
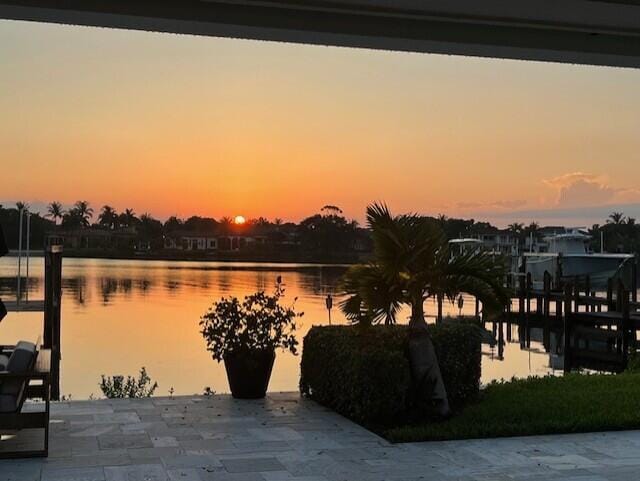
(218, 257)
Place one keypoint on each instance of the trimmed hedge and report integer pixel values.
(363, 372)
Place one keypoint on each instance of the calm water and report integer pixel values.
(119, 315)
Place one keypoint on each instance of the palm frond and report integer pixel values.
(371, 297)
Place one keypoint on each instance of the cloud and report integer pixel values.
(579, 189)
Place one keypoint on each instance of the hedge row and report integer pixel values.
(364, 374)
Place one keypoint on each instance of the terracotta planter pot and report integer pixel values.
(249, 373)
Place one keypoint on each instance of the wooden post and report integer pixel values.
(626, 328)
(567, 328)
(634, 280)
(610, 294)
(546, 314)
(547, 294)
(521, 294)
(529, 287)
(52, 304)
(619, 296)
(576, 294)
(587, 293)
(527, 318)
(559, 273)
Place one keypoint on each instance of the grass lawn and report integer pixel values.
(569, 404)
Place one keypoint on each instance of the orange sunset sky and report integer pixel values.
(185, 125)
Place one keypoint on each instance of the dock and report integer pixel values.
(597, 330)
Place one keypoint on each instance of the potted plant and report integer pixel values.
(245, 335)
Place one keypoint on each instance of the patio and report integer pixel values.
(286, 438)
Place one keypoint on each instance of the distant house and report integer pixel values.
(94, 238)
(215, 239)
(191, 241)
(501, 241)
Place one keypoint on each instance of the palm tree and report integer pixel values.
(616, 218)
(21, 205)
(55, 211)
(516, 228)
(84, 212)
(128, 218)
(411, 263)
(226, 224)
(108, 217)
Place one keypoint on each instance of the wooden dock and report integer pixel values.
(597, 331)
(24, 306)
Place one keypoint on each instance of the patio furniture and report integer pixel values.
(25, 376)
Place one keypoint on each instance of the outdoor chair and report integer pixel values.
(19, 365)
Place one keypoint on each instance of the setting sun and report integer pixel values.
(239, 220)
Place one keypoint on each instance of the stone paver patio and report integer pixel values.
(286, 438)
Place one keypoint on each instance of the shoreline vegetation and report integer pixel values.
(326, 237)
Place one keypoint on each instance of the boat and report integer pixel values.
(567, 255)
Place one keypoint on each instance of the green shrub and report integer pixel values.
(363, 372)
(119, 387)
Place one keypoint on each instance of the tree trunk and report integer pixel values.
(425, 371)
(439, 318)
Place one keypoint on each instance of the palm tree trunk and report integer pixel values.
(417, 320)
(425, 369)
(439, 318)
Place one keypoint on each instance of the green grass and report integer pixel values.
(570, 404)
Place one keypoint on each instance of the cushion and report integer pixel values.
(8, 403)
(21, 360)
(4, 360)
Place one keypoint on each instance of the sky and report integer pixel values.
(182, 125)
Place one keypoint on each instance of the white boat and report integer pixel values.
(567, 255)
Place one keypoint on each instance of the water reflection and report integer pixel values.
(120, 315)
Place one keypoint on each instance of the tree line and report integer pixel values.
(326, 232)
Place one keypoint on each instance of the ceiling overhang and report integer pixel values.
(595, 32)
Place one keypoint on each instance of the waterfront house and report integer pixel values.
(94, 238)
(501, 241)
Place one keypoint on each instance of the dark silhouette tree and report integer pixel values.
(616, 218)
(55, 211)
(84, 212)
(128, 218)
(173, 224)
(108, 217)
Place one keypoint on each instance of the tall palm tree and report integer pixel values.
(411, 263)
(21, 205)
(128, 218)
(55, 211)
(616, 218)
(84, 212)
(108, 217)
(516, 228)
